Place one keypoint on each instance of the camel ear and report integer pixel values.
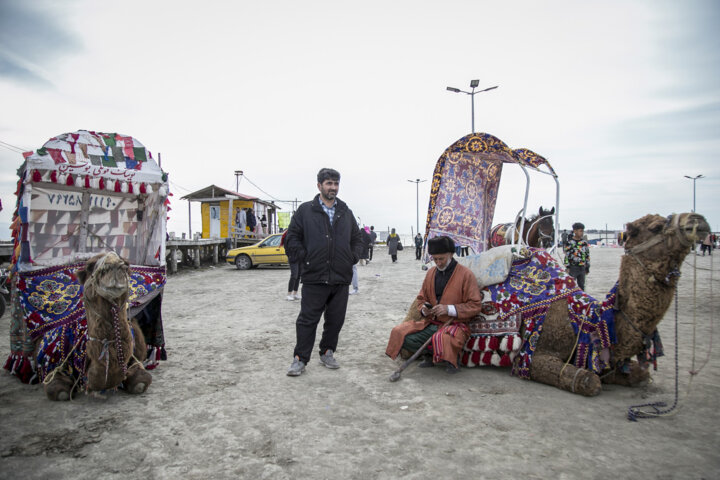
(552, 211)
(85, 273)
(631, 229)
(657, 226)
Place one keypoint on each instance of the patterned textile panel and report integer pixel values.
(56, 217)
(52, 308)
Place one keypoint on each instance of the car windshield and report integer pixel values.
(271, 242)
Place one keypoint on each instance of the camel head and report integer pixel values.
(108, 276)
(676, 233)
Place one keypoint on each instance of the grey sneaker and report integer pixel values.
(297, 368)
(328, 360)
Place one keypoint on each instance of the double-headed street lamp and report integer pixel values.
(417, 183)
(473, 85)
(694, 179)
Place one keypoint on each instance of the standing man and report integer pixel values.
(577, 254)
(325, 238)
(449, 292)
(373, 238)
(418, 246)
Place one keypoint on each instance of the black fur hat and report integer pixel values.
(441, 245)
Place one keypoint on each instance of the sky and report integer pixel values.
(621, 97)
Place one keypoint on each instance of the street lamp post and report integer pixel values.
(417, 183)
(238, 174)
(473, 85)
(694, 179)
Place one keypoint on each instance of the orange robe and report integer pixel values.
(461, 291)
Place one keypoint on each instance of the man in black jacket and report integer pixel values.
(325, 238)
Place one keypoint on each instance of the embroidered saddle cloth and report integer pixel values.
(519, 304)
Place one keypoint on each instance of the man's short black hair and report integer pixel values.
(328, 174)
(578, 226)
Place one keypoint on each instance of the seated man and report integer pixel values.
(456, 287)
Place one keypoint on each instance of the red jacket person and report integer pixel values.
(449, 291)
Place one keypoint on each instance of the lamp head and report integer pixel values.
(474, 83)
(453, 89)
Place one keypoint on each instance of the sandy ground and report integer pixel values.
(222, 406)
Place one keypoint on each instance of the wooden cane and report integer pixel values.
(396, 374)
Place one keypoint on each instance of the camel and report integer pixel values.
(655, 247)
(115, 347)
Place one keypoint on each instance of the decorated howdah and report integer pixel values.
(465, 188)
(82, 194)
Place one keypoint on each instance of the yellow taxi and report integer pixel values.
(266, 252)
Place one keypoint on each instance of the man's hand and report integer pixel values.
(439, 310)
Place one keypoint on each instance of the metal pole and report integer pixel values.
(472, 109)
(417, 206)
(694, 179)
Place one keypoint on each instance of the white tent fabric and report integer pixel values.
(89, 192)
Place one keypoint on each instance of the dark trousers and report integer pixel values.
(294, 282)
(579, 273)
(316, 299)
(370, 251)
(418, 252)
(394, 258)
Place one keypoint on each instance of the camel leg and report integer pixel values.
(138, 379)
(638, 375)
(60, 388)
(546, 368)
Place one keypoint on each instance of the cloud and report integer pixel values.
(31, 36)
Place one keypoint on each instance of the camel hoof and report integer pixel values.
(63, 396)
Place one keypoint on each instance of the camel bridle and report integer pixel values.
(672, 228)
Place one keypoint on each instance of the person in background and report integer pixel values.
(392, 243)
(707, 244)
(577, 254)
(295, 267)
(325, 237)
(449, 293)
(365, 254)
(373, 239)
(418, 246)
(241, 221)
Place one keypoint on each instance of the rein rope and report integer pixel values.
(637, 411)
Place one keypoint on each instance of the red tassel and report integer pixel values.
(505, 361)
(70, 181)
(465, 358)
(130, 187)
(53, 176)
(142, 188)
(118, 187)
(37, 177)
(102, 184)
(25, 373)
(8, 363)
(487, 358)
(87, 181)
(475, 357)
(494, 343)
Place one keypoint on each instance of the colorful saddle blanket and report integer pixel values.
(51, 309)
(510, 324)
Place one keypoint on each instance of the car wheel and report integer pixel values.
(243, 262)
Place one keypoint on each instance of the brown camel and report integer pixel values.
(115, 347)
(655, 248)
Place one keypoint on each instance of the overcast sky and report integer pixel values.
(622, 97)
